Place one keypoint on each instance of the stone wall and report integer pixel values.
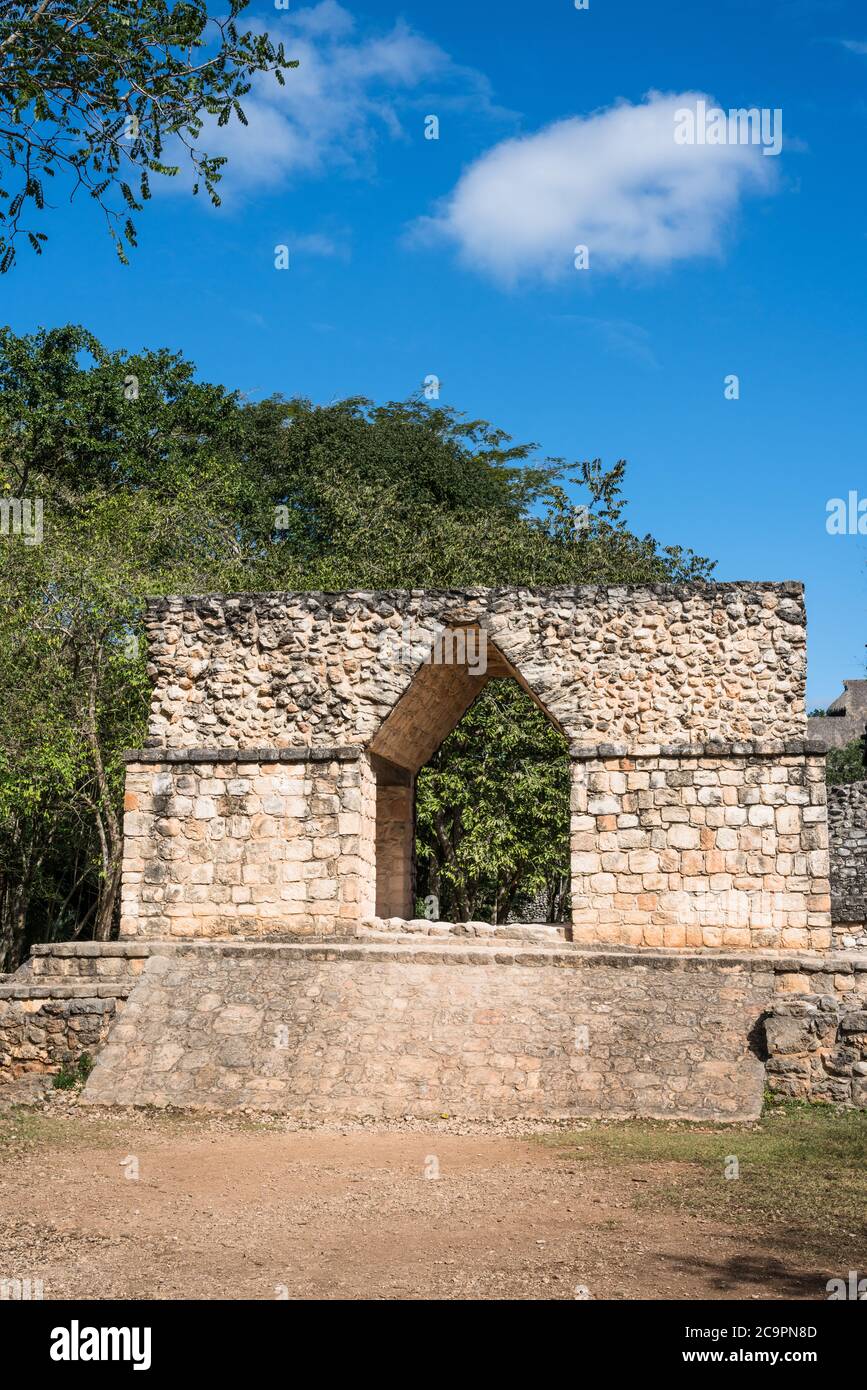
(276, 794)
(60, 1005)
(715, 851)
(515, 1023)
(249, 847)
(847, 834)
(469, 1030)
(656, 663)
(817, 1050)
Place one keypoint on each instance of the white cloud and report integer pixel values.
(347, 90)
(854, 45)
(615, 181)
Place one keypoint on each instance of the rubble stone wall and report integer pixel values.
(817, 1049)
(847, 834)
(59, 1006)
(659, 663)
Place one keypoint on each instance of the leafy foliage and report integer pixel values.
(847, 764)
(73, 1074)
(105, 92)
(492, 811)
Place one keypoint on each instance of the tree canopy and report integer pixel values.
(846, 764)
(108, 95)
(492, 814)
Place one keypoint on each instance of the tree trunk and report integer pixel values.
(108, 896)
(108, 822)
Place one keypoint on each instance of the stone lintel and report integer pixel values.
(343, 753)
(749, 748)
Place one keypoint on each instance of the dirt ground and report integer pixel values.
(229, 1208)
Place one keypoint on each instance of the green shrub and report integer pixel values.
(74, 1074)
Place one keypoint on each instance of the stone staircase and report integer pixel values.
(59, 1005)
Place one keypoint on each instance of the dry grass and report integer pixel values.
(801, 1171)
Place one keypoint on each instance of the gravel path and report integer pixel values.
(224, 1208)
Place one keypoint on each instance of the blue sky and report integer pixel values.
(455, 257)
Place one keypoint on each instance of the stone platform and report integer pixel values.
(409, 1028)
(471, 1026)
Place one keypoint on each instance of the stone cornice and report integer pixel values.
(342, 753)
(749, 748)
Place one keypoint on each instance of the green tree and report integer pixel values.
(413, 495)
(492, 811)
(846, 764)
(104, 94)
(141, 474)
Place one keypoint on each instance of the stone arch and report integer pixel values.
(460, 662)
(699, 814)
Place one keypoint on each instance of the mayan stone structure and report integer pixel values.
(269, 957)
(847, 829)
(274, 797)
(845, 718)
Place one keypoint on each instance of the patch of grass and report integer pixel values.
(800, 1169)
(24, 1128)
(70, 1076)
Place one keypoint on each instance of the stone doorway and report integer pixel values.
(458, 668)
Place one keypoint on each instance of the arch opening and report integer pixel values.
(472, 793)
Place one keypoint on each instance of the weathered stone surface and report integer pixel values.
(41, 1034)
(712, 851)
(275, 796)
(357, 1029)
(667, 1031)
(655, 664)
(367, 1030)
(817, 1049)
(847, 838)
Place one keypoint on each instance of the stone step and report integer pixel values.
(465, 933)
(84, 949)
(79, 961)
(48, 969)
(68, 987)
